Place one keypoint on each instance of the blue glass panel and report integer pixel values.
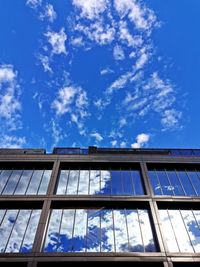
(186, 183)
(167, 189)
(35, 182)
(94, 231)
(95, 182)
(105, 182)
(72, 187)
(178, 190)
(23, 182)
(45, 182)
(137, 182)
(116, 183)
(195, 181)
(83, 187)
(80, 230)
(155, 183)
(127, 183)
(4, 176)
(107, 231)
(63, 180)
(12, 182)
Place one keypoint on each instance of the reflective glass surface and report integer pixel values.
(17, 230)
(181, 230)
(99, 230)
(175, 182)
(24, 182)
(100, 182)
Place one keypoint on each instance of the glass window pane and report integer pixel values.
(94, 231)
(18, 231)
(52, 238)
(31, 231)
(178, 190)
(192, 228)
(105, 182)
(147, 235)
(137, 182)
(120, 226)
(23, 183)
(155, 183)
(45, 182)
(66, 231)
(80, 230)
(95, 182)
(107, 231)
(127, 183)
(168, 231)
(180, 231)
(35, 182)
(134, 231)
(6, 227)
(186, 183)
(195, 181)
(167, 189)
(63, 180)
(116, 183)
(4, 176)
(12, 182)
(73, 182)
(83, 187)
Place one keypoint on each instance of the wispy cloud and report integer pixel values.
(171, 119)
(141, 140)
(118, 53)
(11, 141)
(98, 137)
(34, 3)
(48, 13)
(57, 41)
(10, 105)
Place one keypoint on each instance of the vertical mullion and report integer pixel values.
(169, 181)
(61, 217)
(11, 230)
(26, 230)
(78, 181)
(174, 232)
(111, 178)
(73, 230)
(6, 182)
(186, 230)
(180, 182)
(132, 183)
(89, 169)
(100, 172)
(121, 178)
(86, 239)
(67, 181)
(29, 181)
(18, 181)
(191, 183)
(125, 215)
(158, 179)
(113, 230)
(140, 230)
(40, 182)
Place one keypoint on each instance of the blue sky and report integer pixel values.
(111, 73)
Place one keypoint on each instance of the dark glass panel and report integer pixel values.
(105, 182)
(137, 182)
(178, 189)
(167, 189)
(186, 183)
(12, 182)
(194, 178)
(116, 183)
(155, 182)
(127, 183)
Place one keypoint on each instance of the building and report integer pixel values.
(139, 207)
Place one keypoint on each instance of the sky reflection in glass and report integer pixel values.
(17, 230)
(99, 230)
(175, 182)
(100, 182)
(181, 230)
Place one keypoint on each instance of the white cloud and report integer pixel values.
(50, 13)
(113, 143)
(142, 60)
(45, 60)
(10, 105)
(141, 140)
(11, 141)
(106, 71)
(122, 122)
(118, 53)
(56, 132)
(170, 119)
(142, 17)
(57, 41)
(97, 136)
(78, 41)
(123, 144)
(34, 3)
(91, 8)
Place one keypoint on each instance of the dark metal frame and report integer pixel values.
(46, 202)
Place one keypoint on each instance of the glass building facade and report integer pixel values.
(139, 206)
